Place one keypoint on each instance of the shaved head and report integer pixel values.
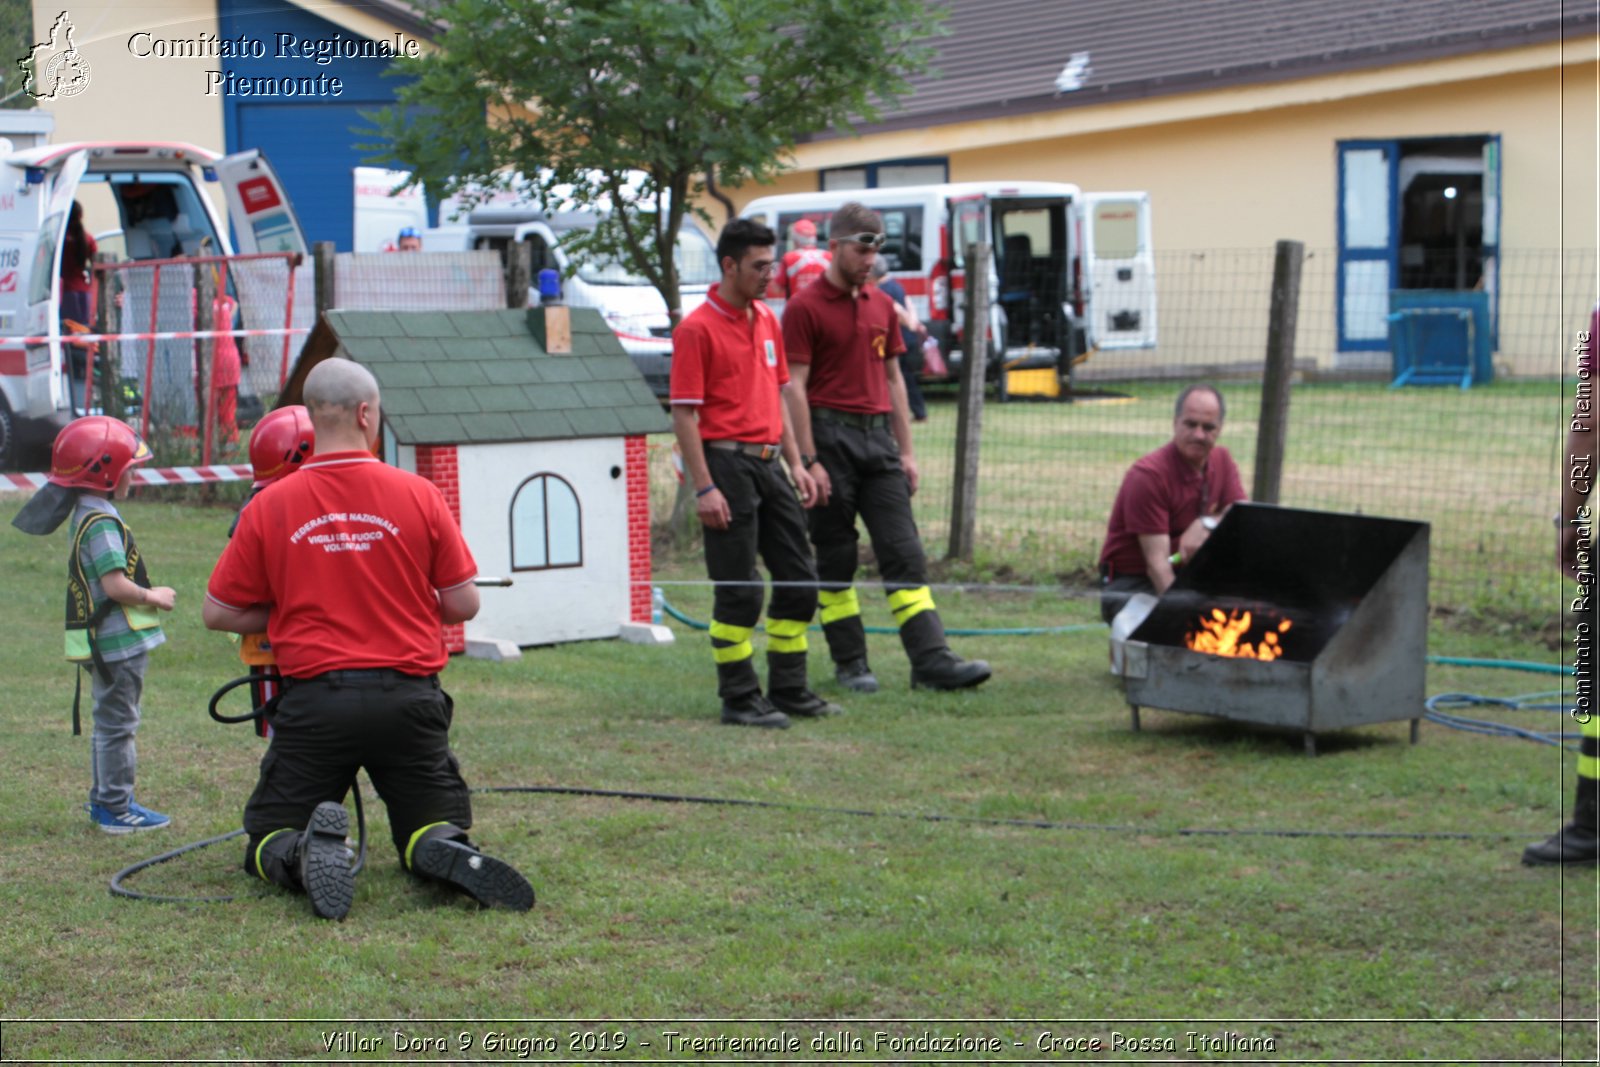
(343, 400)
(339, 383)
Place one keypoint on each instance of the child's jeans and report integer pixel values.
(116, 720)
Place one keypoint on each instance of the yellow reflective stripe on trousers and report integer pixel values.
(412, 844)
(738, 642)
(260, 872)
(1589, 766)
(908, 603)
(786, 635)
(840, 605)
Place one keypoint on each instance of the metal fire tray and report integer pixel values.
(1355, 588)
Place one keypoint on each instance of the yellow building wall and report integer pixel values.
(1229, 173)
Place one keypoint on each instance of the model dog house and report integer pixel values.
(538, 443)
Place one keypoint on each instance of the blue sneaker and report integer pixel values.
(135, 820)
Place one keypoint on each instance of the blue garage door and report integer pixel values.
(310, 140)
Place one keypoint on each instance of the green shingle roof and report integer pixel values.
(478, 377)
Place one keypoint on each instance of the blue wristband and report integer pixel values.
(703, 492)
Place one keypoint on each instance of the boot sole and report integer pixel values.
(918, 683)
(492, 883)
(325, 869)
(767, 721)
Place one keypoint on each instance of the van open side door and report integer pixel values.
(259, 209)
(1122, 274)
(969, 225)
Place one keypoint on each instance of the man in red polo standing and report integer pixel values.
(728, 370)
(848, 405)
(353, 568)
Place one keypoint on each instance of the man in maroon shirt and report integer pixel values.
(1169, 503)
(848, 405)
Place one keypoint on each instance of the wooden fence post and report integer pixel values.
(969, 411)
(322, 254)
(519, 274)
(1273, 429)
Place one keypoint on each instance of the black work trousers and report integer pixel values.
(326, 728)
(767, 521)
(863, 465)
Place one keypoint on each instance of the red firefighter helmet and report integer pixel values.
(280, 442)
(92, 452)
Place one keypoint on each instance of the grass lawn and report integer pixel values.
(806, 919)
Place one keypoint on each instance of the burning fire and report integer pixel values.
(1220, 635)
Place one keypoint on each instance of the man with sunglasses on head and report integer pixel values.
(1169, 503)
(728, 371)
(848, 404)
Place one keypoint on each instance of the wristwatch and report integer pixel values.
(1209, 521)
(807, 459)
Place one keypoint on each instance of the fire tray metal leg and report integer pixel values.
(1133, 709)
(1311, 743)
(1416, 730)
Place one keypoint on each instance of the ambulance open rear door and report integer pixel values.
(258, 207)
(1122, 274)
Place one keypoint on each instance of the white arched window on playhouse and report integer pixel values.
(546, 524)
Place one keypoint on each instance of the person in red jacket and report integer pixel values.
(353, 568)
(804, 263)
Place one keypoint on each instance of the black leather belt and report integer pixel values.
(749, 449)
(367, 674)
(851, 418)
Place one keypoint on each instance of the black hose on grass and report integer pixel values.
(1434, 713)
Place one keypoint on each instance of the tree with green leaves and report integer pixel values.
(631, 106)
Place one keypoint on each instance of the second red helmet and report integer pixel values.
(281, 441)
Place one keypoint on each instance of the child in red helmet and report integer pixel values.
(112, 621)
(281, 441)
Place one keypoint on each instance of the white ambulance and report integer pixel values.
(1046, 308)
(154, 192)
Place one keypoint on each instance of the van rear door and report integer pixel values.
(263, 219)
(1122, 275)
(969, 225)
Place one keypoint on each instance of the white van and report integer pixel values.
(155, 191)
(632, 307)
(1043, 310)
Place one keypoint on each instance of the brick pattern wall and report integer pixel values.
(638, 475)
(437, 463)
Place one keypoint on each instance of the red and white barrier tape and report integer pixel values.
(170, 335)
(238, 472)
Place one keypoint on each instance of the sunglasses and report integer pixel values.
(865, 240)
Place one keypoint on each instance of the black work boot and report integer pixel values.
(444, 854)
(753, 710)
(787, 690)
(1576, 842)
(323, 862)
(856, 676)
(933, 665)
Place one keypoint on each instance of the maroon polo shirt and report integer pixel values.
(845, 339)
(1163, 494)
(730, 365)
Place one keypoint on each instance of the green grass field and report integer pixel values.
(1481, 466)
(751, 922)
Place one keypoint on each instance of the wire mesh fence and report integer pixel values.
(1481, 465)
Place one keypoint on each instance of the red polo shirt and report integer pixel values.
(1163, 494)
(845, 339)
(348, 553)
(730, 364)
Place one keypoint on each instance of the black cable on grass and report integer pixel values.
(1434, 713)
(119, 889)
